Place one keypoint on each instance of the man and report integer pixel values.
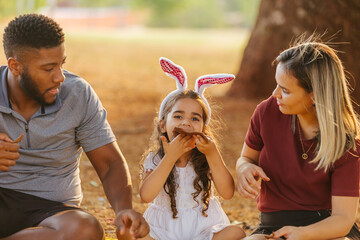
(59, 115)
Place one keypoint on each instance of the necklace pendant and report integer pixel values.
(304, 156)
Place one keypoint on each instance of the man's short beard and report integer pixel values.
(31, 89)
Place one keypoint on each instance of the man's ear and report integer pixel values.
(15, 67)
(162, 125)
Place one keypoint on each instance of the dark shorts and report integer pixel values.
(20, 210)
(270, 222)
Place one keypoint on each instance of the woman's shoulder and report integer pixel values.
(351, 155)
(354, 152)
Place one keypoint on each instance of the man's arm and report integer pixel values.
(114, 174)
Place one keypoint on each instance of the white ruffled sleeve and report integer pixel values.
(151, 162)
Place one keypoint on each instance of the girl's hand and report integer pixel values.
(247, 176)
(291, 233)
(179, 145)
(206, 147)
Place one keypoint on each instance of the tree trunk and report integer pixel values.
(279, 22)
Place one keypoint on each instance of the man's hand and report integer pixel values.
(8, 152)
(133, 221)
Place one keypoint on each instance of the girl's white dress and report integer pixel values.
(190, 224)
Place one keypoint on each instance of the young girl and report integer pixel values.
(180, 169)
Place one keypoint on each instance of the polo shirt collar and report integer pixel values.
(4, 98)
(3, 93)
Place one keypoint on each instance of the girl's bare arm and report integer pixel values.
(223, 181)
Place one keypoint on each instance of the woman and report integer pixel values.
(303, 143)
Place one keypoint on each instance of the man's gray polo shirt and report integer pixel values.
(55, 137)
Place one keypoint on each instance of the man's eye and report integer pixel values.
(49, 69)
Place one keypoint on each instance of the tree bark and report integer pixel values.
(279, 22)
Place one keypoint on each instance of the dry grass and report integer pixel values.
(122, 66)
(124, 70)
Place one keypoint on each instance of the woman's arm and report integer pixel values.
(344, 210)
(248, 172)
(153, 182)
(223, 181)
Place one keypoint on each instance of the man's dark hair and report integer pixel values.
(31, 30)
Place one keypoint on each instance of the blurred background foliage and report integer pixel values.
(159, 13)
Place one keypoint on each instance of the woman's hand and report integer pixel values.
(247, 179)
(248, 172)
(291, 233)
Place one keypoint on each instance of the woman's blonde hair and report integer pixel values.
(319, 70)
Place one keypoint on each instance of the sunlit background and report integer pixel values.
(139, 13)
(116, 44)
(208, 25)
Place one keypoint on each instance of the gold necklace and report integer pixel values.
(305, 154)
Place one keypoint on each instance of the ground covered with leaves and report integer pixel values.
(132, 136)
(123, 68)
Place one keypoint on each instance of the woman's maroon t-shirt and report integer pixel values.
(295, 184)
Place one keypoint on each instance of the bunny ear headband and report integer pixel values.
(178, 73)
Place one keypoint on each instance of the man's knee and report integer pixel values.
(87, 225)
(75, 225)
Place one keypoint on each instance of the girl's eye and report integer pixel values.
(285, 91)
(195, 119)
(177, 116)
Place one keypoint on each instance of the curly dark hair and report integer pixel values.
(31, 30)
(202, 182)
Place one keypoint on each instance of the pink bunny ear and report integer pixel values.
(210, 80)
(174, 71)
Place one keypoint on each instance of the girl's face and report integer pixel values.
(187, 114)
(291, 98)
